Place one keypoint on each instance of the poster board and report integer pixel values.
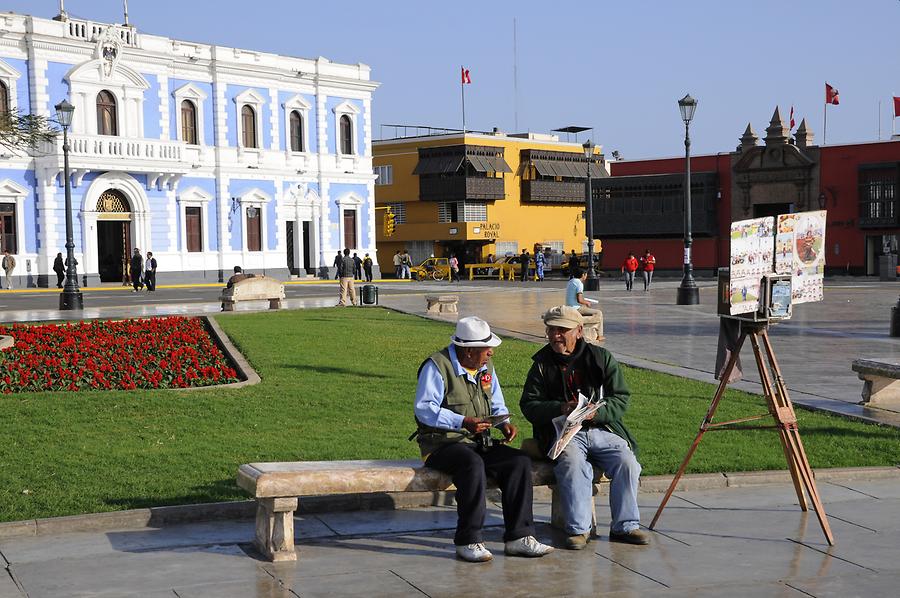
(789, 244)
(751, 258)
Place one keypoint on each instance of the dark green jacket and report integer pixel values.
(545, 392)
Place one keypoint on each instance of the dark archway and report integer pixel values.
(113, 236)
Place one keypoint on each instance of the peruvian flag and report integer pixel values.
(896, 106)
(831, 95)
(466, 80)
(792, 118)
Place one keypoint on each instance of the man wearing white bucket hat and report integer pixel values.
(457, 393)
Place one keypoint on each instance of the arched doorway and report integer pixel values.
(113, 236)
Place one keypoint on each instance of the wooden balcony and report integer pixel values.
(460, 188)
(571, 192)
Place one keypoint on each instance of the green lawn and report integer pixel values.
(337, 384)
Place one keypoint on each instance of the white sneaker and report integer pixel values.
(474, 553)
(527, 546)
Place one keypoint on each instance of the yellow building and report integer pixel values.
(476, 194)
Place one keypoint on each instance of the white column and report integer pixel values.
(164, 108)
(273, 118)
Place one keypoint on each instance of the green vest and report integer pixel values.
(460, 396)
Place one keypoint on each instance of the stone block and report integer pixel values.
(441, 304)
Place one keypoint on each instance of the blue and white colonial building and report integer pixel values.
(208, 156)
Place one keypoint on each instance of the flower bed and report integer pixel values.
(173, 352)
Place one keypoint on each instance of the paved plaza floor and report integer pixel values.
(739, 541)
(744, 541)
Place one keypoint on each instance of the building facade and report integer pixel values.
(474, 194)
(642, 204)
(208, 156)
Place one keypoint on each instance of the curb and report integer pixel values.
(157, 517)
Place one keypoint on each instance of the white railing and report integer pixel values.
(90, 31)
(126, 148)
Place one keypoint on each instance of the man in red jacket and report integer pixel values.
(629, 267)
(648, 262)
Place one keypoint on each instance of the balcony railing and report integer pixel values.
(553, 191)
(460, 188)
(90, 31)
(107, 147)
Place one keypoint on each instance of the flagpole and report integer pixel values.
(825, 125)
(462, 89)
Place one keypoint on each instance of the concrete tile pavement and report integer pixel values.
(749, 541)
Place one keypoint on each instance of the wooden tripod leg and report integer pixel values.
(792, 434)
(773, 403)
(710, 413)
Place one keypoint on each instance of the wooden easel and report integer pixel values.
(780, 408)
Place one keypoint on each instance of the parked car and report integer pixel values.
(436, 268)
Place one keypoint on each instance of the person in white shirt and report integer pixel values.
(575, 290)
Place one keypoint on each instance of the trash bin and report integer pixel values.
(369, 294)
(887, 267)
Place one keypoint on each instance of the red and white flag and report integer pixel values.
(792, 118)
(466, 80)
(831, 95)
(896, 106)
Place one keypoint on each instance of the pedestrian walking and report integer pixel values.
(60, 270)
(346, 274)
(648, 265)
(405, 263)
(539, 265)
(357, 267)
(9, 265)
(454, 268)
(150, 272)
(629, 267)
(338, 260)
(525, 259)
(137, 268)
(367, 267)
(398, 265)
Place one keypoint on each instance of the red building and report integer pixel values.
(642, 204)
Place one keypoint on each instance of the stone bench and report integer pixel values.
(441, 304)
(881, 381)
(277, 487)
(254, 288)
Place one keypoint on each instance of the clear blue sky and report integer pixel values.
(617, 66)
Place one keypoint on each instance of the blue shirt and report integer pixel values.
(574, 287)
(430, 395)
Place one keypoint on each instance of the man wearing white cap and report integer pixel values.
(456, 393)
(565, 367)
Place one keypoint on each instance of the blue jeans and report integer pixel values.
(629, 280)
(574, 476)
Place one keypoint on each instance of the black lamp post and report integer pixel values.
(688, 293)
(71, 297)
(592, 284)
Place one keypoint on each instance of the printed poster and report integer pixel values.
(808, 264)
(752, 246)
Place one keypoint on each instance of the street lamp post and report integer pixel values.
(592, 284)
(688, 293)
(71, 297)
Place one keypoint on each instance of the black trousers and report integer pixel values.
(469, 470)
(60, 276)
(150, 280)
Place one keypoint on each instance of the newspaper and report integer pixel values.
(496, 420)
(569, 425)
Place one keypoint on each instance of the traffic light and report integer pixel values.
(388, 223)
